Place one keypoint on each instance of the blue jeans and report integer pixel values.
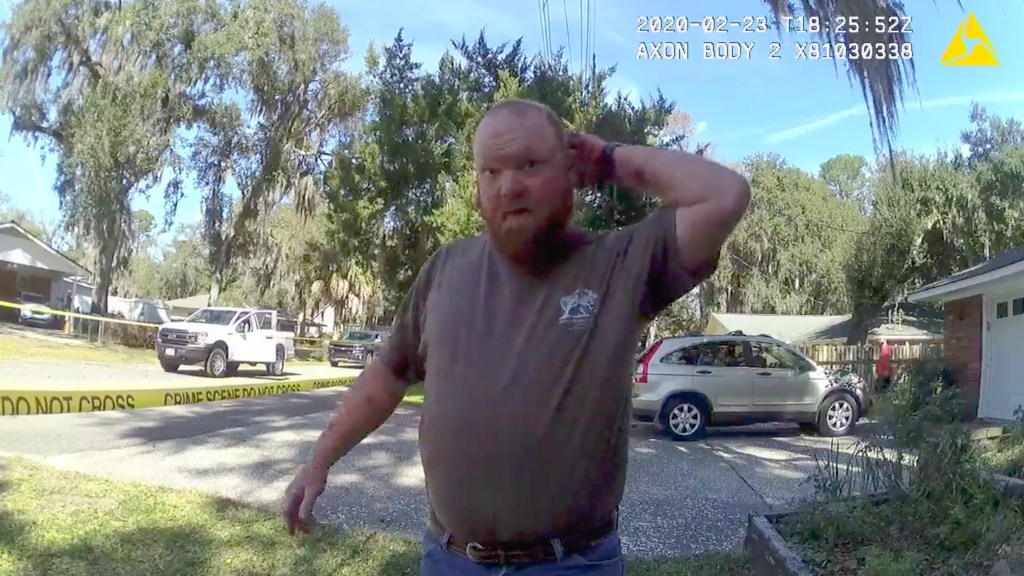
(604, 558)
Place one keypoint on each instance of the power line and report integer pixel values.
(586, 51)
(568, 35)
(583, 56)
(545, 28)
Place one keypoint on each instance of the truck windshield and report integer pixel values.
(30, 298)
(361, 336)
(212, 316)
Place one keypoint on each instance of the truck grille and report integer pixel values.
(345, 349)
(172, 336)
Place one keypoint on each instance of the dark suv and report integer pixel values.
(356, 347)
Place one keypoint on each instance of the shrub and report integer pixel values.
(941, 512)
(130, 335)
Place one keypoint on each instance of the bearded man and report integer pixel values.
(524, 338)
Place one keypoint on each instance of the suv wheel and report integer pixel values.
(837, 415)
(685, 419)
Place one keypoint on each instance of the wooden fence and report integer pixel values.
(861, 359)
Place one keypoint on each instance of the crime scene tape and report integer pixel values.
(25, 402)
(67, 314)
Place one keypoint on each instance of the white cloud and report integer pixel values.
(699, 128)
(626, 85)
(812, 126)
(818, 124)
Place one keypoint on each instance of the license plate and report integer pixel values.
(169, 351)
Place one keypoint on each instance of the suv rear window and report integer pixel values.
(707, 354)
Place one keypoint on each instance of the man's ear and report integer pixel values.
(477, 199)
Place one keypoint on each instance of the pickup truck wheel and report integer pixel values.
(217, 363)
(169, 366)
(334, 364)
(277, 367)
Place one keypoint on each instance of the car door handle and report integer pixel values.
(764, 373)
(703, 371)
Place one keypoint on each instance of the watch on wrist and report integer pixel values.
(608, 173)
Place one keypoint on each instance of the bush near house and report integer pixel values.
(942, 515)
(130, 335)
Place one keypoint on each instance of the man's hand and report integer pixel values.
(588, 166)
(301, 495)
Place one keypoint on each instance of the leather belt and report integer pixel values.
(541, 550)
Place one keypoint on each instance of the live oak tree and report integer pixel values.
(284, 103)
(94, 83)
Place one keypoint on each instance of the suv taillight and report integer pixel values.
(645, 360)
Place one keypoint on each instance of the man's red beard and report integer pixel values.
(538, 245)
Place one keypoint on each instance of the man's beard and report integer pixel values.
(539, 247)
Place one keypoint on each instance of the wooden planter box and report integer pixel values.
(771, 556)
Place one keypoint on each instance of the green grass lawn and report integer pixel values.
(14, 347)
(414, 395)
(68, 524)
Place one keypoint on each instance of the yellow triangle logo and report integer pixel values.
(969, 46)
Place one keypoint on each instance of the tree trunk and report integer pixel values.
(860, 320)
(216, 286)
(107, 248)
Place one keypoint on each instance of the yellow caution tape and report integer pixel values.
(67, 314)
(24, 402)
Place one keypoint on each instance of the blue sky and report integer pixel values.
(807, 111)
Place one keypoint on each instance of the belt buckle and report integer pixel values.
(481, 555)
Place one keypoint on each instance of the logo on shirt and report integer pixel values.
(578, 309)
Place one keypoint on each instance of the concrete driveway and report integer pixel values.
(680, 498)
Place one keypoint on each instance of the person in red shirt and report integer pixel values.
(883, 368)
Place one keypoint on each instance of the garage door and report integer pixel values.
(1002, 377)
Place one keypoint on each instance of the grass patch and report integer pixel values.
(14, 347)
(55, 522)
(1005, 455)
(860, 538)
(415, 395)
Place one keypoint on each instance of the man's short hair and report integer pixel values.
(520, 107)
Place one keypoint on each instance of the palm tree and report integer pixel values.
(882, 81)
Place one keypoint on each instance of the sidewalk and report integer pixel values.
(48, 387)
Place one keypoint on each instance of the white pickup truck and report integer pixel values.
(222, 339)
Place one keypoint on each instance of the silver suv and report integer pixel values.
(689, 382)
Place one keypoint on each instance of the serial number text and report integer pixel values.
(853, 51)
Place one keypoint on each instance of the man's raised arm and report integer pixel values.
(709, 199)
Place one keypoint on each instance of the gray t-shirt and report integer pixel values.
(525, 423)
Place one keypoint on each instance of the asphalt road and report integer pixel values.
(680, 498)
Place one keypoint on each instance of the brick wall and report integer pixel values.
(962, 344)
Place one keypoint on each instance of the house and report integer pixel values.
(984, 327)
(906, 324)
(182, 308)
(30, 265)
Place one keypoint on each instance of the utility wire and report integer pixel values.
(568, 35)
